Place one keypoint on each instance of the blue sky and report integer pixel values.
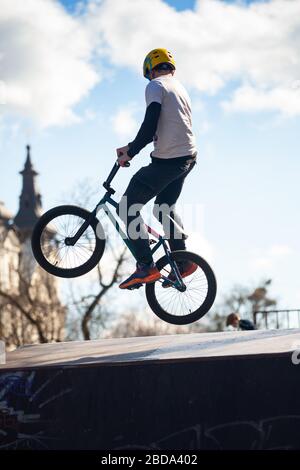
(246, 180)
(178, 4)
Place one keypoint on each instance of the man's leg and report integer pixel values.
(165, 206)
(135, 197)
(146, 183)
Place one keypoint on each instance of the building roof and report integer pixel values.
(30, 207)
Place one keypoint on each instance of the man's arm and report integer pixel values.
(147, 130)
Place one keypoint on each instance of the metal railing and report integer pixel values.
(289, 318)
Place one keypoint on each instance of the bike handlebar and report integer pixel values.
(111, 176)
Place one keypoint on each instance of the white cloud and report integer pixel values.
(124, 123)
(198, 243)
(273, 255)
(8, 132)
(280, 250)
(2, 93)
(255, 45)
(261, 263)
(248, 98)
(44, 60)
(204, 127)
(47, 56)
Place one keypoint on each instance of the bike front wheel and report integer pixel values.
(187, 306)
(49, 242)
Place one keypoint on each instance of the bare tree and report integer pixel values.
(242, 300)
(133, 324)
(259, 298)
(33, 312)
(138, 323)
(89, 301)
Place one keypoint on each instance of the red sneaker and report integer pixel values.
(144, 274)
(186, 268)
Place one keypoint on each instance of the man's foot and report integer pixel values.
(186, 268)
(144, 274)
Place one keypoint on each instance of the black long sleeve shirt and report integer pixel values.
(147, 130)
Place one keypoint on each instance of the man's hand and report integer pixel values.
(122, 155)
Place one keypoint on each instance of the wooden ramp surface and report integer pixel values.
(154, 349)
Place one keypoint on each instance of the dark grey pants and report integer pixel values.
(163, 179)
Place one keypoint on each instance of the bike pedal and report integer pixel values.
(136, 286)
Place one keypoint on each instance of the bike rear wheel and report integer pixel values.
(49, 242)
(182, 308)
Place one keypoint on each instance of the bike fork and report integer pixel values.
(71, 241)
(179, 284)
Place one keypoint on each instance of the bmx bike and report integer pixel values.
(68, 241)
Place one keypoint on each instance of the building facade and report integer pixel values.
(30, 307)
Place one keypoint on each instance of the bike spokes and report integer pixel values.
(185, 301)
(55, 249)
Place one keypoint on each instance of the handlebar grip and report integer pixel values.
(127, 164)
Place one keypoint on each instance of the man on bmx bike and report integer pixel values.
(168, 123)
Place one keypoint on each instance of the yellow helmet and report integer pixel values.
(156, 57)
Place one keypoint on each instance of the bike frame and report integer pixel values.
(103, 205)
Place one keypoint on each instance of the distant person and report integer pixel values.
(235, 323)
(232, 322)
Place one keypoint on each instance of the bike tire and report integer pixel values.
(41, 228)
(155, 303)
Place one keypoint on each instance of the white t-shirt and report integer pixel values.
(174, 136)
